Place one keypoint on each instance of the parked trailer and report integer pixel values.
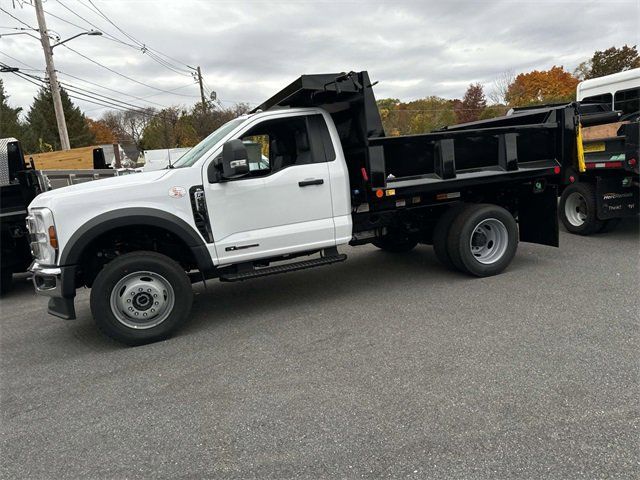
(602, 186)
(325, 176)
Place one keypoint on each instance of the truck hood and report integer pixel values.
(105, 186)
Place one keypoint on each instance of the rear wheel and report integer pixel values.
(578, 211)
(482, 240)
(141, 297)
(396, 242)
(441, 232)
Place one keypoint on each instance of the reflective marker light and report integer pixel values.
(53, 240)
(379, 193)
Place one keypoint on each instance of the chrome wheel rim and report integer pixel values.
(142, 300)
(489, 241)
(575, 209)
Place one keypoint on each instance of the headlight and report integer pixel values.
(43, 236)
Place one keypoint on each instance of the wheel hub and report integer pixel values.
(575, 209)
(489, 241)
(142, 300)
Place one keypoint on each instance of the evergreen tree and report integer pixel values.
(9, 121)
(472, 105)
(42, 129)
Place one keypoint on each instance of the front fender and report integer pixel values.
(135, 216)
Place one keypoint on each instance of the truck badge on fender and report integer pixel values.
(177, 192)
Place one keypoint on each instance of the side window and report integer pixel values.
(627, 100)
(286, 142)
(603, 98)
(258, 152)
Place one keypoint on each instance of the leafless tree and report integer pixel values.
(501, 86)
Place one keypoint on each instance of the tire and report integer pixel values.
(396, 242)
(578, 211)
(153, 280)
(482, 240)
(609, 225)
(441, 232)
(6, 280)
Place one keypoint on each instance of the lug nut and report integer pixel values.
(156, 303)
(139, 289)
(155, 295)
(128, 300)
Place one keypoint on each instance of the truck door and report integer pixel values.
(284, 204)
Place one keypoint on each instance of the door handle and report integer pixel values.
(306, 183)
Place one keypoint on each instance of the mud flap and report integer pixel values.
(538, 216)
(614, 200)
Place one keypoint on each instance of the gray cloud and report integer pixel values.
(249, 49)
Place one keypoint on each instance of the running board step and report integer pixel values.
(289, 267)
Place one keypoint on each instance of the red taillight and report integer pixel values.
(632, 162)
(365, 177)
(556, 170)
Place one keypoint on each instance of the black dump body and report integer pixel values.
(525, 146)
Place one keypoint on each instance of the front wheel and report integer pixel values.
(577, 209)
(141, 297)
(483, 240)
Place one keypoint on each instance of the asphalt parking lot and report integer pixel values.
(383, 366)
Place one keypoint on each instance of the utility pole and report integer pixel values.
(53, 78)
(204, 104)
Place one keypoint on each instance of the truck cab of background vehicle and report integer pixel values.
(305, 173)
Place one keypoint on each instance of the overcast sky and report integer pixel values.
(250, 49)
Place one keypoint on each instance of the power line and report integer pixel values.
(16, 18)
(132, 37)
(20, 61)
(116, 91)
(122, 74)
(83, 91)
(76, 95)
(141, 47)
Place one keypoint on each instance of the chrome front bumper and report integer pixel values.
(46, 280)
(57, 283)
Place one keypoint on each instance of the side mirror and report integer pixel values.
(235, 161)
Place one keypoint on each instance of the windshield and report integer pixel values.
(193, 155)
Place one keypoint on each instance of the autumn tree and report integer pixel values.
(41, 132)
(102, 131)
(169, 128)
(417, 116)
(209, 117)
(606, 62)
(555, 85)
(472, 105)
(9, 117)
